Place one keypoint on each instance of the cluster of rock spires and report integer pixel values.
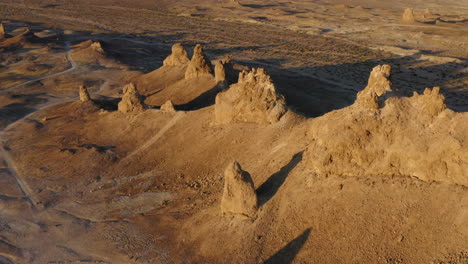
(416, 136)
(253, 99)
(239, 197)
(131, 100)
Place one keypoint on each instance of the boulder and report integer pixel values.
(239, 197)
(131, 100)
(253, 99)
(179, 56)
(199, 65)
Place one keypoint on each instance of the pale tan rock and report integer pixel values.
(168, 107)
(179, 56)
(239, 197)
(430, 102)
(131, 100)
(84, 94)
(377, 85)
(96, 46)
(408, 16)
(428, 13)
(2, 31)
(199, 65)
(221, 72)
(253, 99)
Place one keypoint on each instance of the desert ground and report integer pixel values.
(224, 131)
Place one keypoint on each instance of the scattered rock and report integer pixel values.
(377, 85)
(199, 64)
(239, 197)
(253, 99)
(179, 56)
(408, 16)
(168, 107)
(84, 95)
(131, 100)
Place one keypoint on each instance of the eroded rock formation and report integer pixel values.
(221, 69)
(131, 100)
(253, 99)
(408, 136)
(199, 65)
(84, 94)
(408, 16)
(239, 197)
(179, 56)
(377, 85)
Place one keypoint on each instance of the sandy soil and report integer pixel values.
(81, 182)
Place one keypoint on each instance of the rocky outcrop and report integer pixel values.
(168, 107)
(96, 46)
(199, 65)
(408, 136)
(408, 16)
(377, 85)
(253, 99)
(131, 100)
(179, 56)
(239, 197)
(428, 13)
(84, 95)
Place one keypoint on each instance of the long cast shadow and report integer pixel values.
(268, 189)
(287, 254)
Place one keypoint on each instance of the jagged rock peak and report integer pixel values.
(179, 56)
(431, 102)
(253, 99)
(84, 94)
(377, 85)
(199, 64)
(239, 197)
(168, 107)
(408, 16)
(131, 100)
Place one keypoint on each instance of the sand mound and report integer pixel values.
(415, 136)
(199, 64)
(408, 16)
(84, 95)
(239, 197)
(131, 100)
(253, 99)
(178, 57)
(168, 107)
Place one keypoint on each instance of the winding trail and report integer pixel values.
(71, 68)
